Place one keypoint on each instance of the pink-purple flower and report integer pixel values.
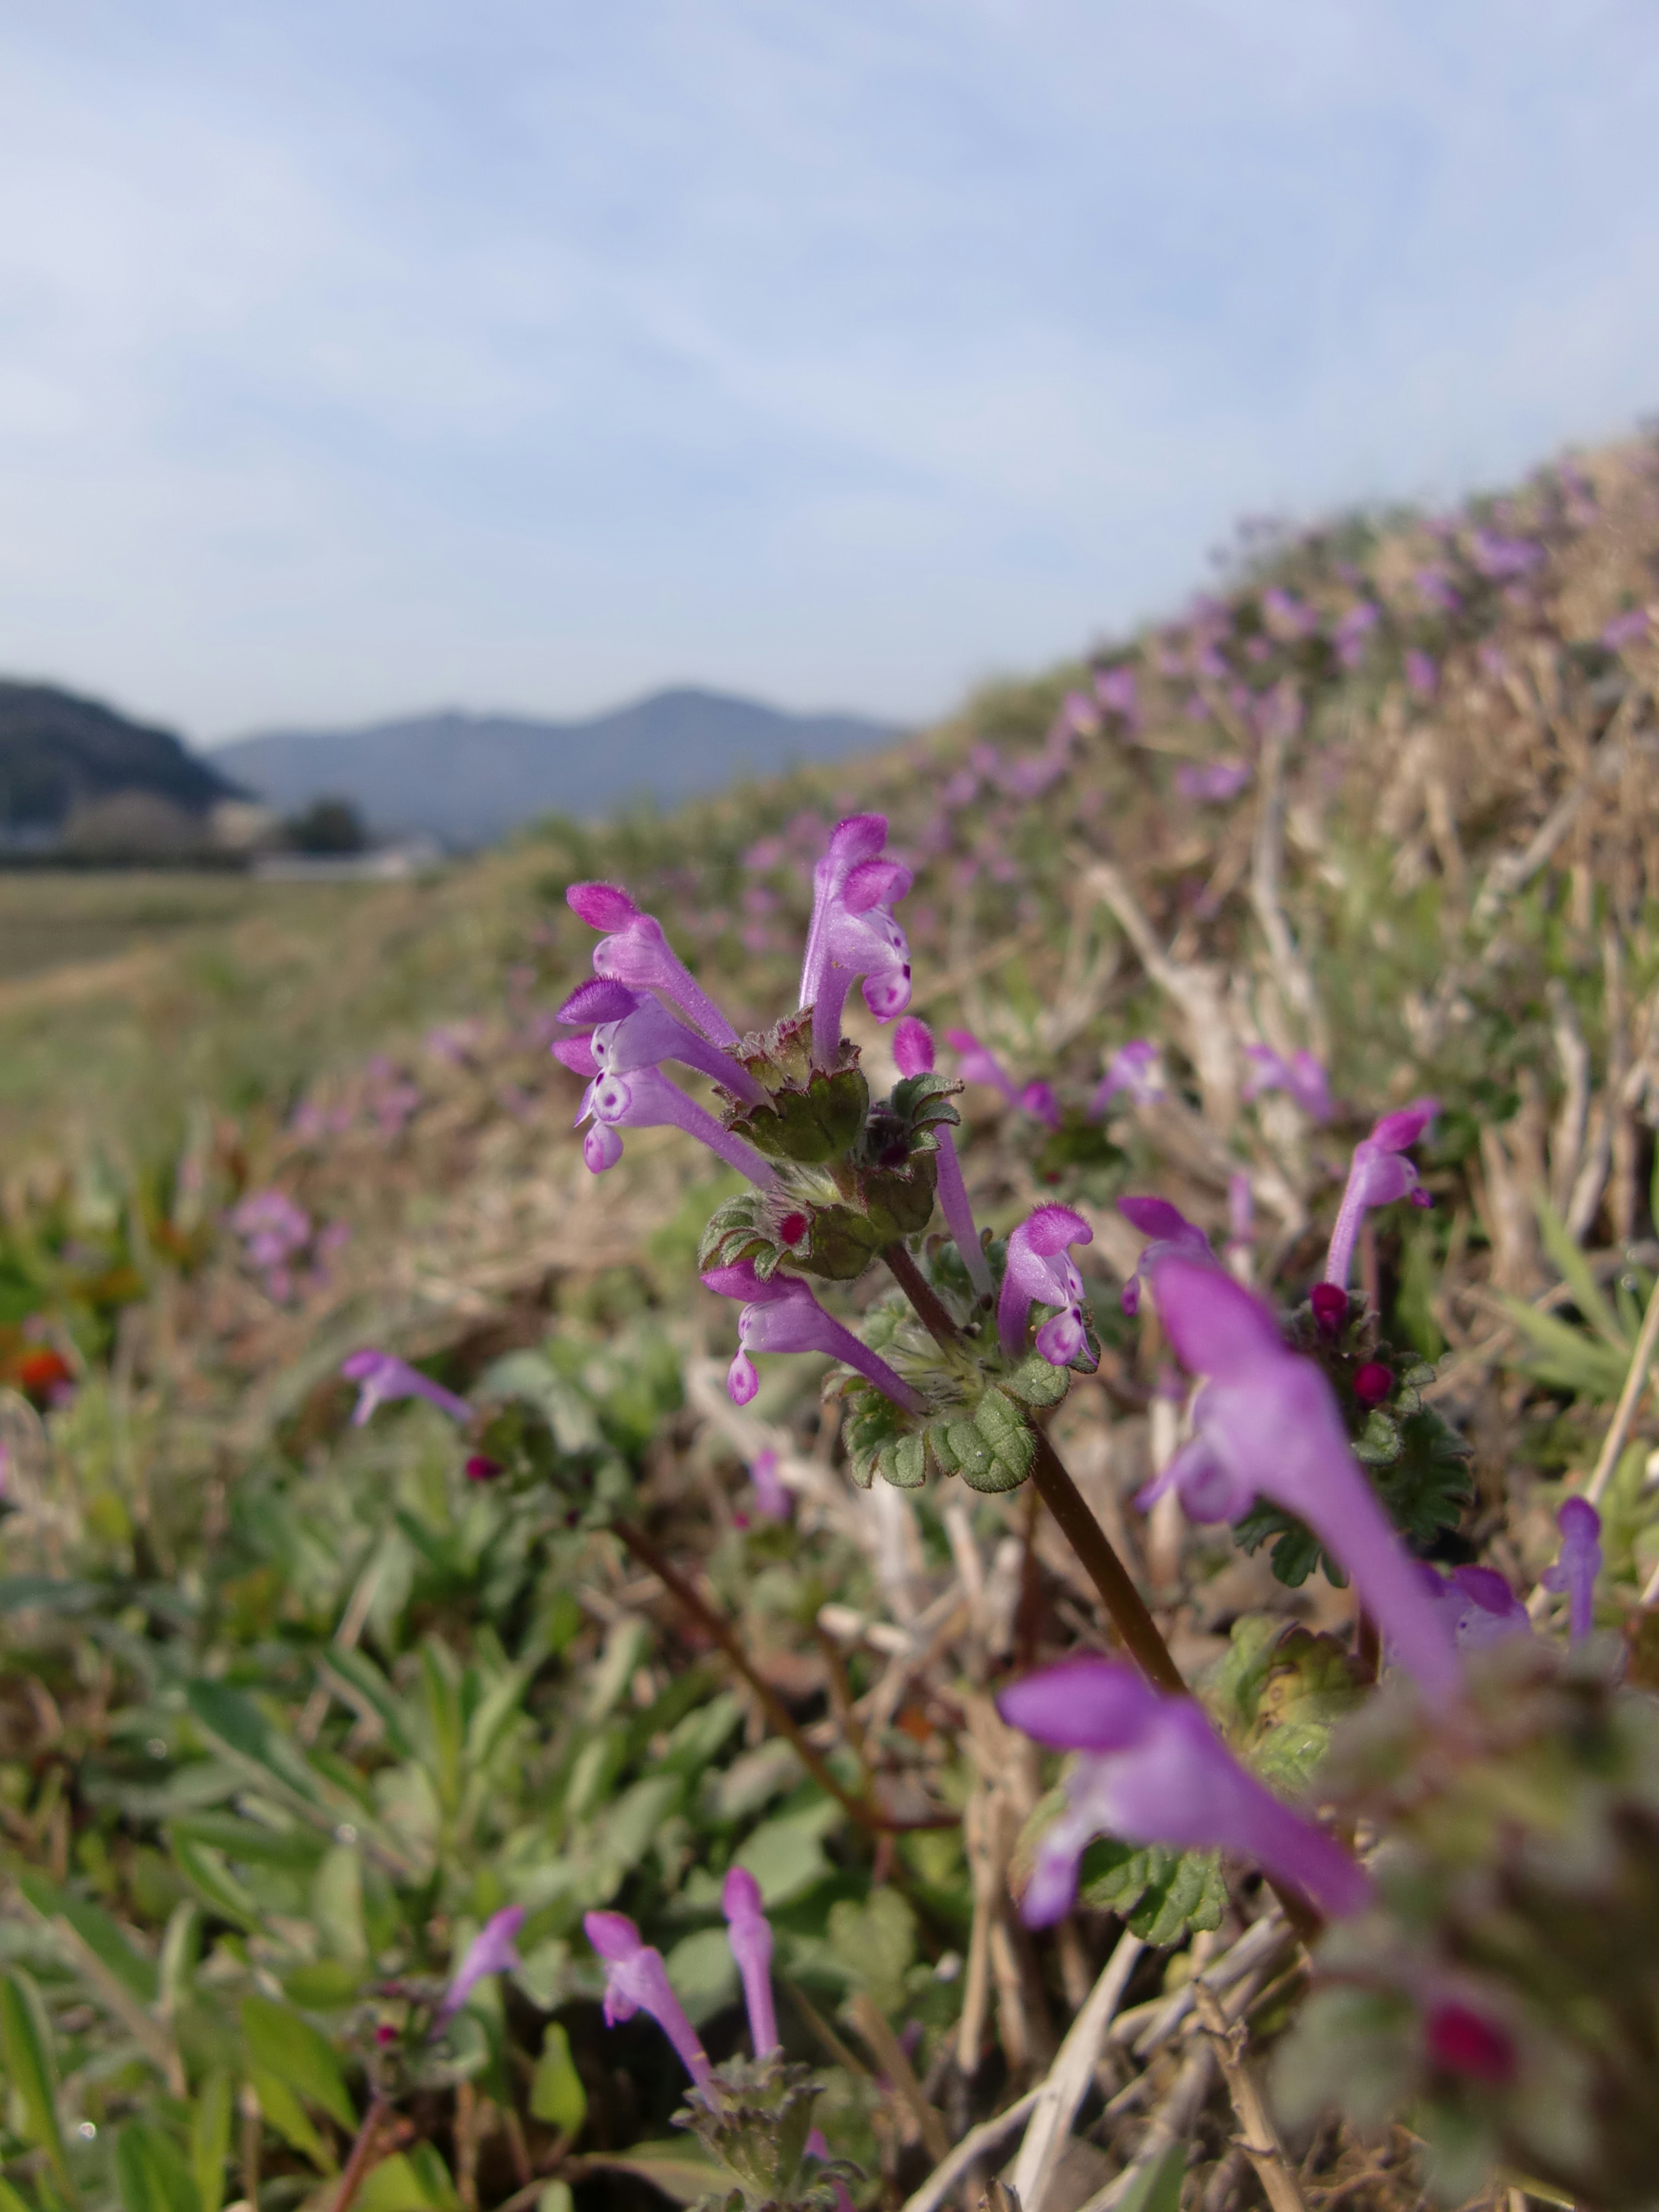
(1301, 1074)
(1476, 1605)
(1040, 1272)
(750, 1937)
(912, 1053)
(1379, 1174)
(854, 932)
(1170, 1231)
(493, 1950)
(636, 1980)
(981, 1064)
(772, 1500)
(1214, 780)
(1152, 1770)
(635, 951)
(1266, 1424)
(381, 1378)
(1578, 1565)
(780, 1314)
(1135, 1070)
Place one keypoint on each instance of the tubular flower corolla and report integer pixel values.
(1152, 1771)
(1380, 1173)
(1579, 1564)
(1170, 1231)
(644, 1098)
(635, 952)
(981, 1064)
(913, 1051)
(853, 932)
(750, 1937)
(772, 1500)
(1301, 1075)
(635, 1980)
(381, 1377)
(629, 1031)
(1476, 1605)
(1136, 1069)
(1040, 1272)
(493, 1950)
(1267, 1425)
(779, 1314)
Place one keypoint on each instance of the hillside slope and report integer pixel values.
(468, 779)
(58, 751)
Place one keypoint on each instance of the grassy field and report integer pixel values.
(294, 1705)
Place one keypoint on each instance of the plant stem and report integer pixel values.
(922, 1296)
(720, 1632)
(1122, 1601)
(357, 2166)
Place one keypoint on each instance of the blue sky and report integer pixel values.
(369, 355)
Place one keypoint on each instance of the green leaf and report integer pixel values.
(1575, 1272)
(26, 2040)
(11, 2202)
(681, 2170)
(1158, 2189)
(97, 1931)
(206, 1870)
(337, 1903)
(703, 1972)
(280, 2043)
(786, 1857)
(1161, 1894)
(1034, 1382)
(1569, 1358)
(557, 2095)
(287, 2116)
(210, 2139)
(406, 2183)
(150, 2176)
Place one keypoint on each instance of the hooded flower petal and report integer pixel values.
(493, 1950)
(780, 1314)
(635, 1980)
(1268, 1424)
(1040, 1272)
(1579, 1563)
(750, 1937)
(636, 953)
(1152, 1771)
(381, 1378)
(854, 932)
(1380, 1173)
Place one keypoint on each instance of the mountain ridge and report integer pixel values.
(469, 778)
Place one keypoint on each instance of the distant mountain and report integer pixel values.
(60, 755)
(468, 779)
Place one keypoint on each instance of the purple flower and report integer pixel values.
(853, 932)
(1625, 630)
(644, 1098)
(381, 1377)
(1422, 676)
(1040, 1271)
(981, 1064)
(628, 1031)
(635, 952)
(1501, 559)
(772, 1500)
(1136, 1068)
(779, 1314)
(1476, 1605)
(1152, 1771)
(1216, 780)
(493, 1950)
(1170, 1231)
(1115, 688)
(635, 1980)
(1434, 587)
(1352, 629)
(1286, 616)
(1380, 1173)
(1267, 1425)
(750, 1937)
(913, 1051)
(1302, 1075)
(1579, 1564)
(1241, 1208)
